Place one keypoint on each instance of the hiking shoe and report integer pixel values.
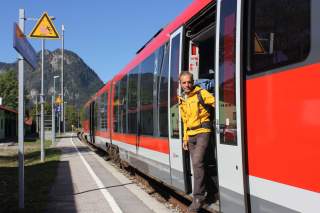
(210, 198)
(195, 205)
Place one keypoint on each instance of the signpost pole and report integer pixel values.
(42, 102)
(21, 118)
(28, 54)
(62, 92)
(53, 123)
(59, 118)
(43, 29)
(53, 110)
(37, 115)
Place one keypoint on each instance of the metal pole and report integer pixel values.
(42, 103)
(53, 111)
(21, 118)
(37, 116)
(59, 115)
(62, 92)
(53, 126)
(78, 118)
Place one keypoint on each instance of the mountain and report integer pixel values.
(4, 67)
(80, 81)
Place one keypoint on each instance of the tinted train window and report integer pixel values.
(98, 115)
(103, 112)
(106, 109)
(123, 105)
(132, 100)
(116, 102)
(146, 96)
(174, 85)
(86, 113)
(280, 33)
(227, 73)
(163, 90)
(95, 116)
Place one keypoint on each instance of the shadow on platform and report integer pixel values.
(61, 197)
(39, 180)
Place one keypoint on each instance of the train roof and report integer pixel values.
(164, 35)
(161, 37)
(104, 88)
(100, 91)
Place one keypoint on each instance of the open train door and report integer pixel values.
(178, 177)
(229, 127)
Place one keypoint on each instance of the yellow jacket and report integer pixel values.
(193, 114)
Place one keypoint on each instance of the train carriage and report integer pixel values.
(263, 56)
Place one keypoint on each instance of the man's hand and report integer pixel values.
(185, 146)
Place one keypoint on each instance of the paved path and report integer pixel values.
(87, 183)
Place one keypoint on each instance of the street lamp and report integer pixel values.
(54, 84)
(64, 115)
(62, 92)
(53, 129)
(54, 94)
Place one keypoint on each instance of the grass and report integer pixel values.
(39, 177)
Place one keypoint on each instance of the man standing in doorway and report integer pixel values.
(196, 106)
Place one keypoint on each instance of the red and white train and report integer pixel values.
(264, 56)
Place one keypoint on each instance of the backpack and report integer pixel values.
(207, 84)
(208, 108)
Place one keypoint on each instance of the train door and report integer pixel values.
(109, 115)
(89, 125)
(178, 177)
(229, 135)
(200, 61)
(92, 121)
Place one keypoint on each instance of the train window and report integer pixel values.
(174, 85)
(88, 113)
(279, 35)
(95, 116)
(163, 90)
(227, 73)
(132, 100)
(106, 110)
(123, 105)
(97, 113)
(146, 95)
(116, 103)
(103, 114)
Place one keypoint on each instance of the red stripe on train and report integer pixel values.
(155, 144)
(104, 134)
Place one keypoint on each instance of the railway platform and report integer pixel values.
(87, 183)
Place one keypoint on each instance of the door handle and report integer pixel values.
(220, 127)
(219, 130)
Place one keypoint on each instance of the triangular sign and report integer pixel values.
(44, 28)
(258, 47)
(58, 100)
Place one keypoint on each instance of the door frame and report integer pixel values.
(231, 159)
(176, 153)
(93, 116)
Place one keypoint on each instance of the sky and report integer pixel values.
(105, 34)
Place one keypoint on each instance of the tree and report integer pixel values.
(72, 116)
(9, 89)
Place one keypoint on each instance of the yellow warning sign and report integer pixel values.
(58, 100)
(44, 28)
(258, 48)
